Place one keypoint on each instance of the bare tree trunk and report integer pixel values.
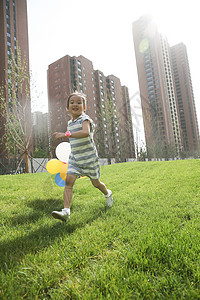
(27, 163)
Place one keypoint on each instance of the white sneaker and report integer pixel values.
(61, 215)
(109, 198)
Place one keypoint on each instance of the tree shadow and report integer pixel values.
(13, 251)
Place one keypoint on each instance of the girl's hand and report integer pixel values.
(58, 135)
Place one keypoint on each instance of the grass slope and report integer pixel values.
(145, 247)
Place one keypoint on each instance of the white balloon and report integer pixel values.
(63, 151)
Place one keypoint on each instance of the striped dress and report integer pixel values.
(83, 160)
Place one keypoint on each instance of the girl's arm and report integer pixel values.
(59, 135)
(85, 132)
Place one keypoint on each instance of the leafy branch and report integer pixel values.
(15, 110)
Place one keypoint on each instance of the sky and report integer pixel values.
(102, 32)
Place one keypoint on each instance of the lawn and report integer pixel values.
(147, 246)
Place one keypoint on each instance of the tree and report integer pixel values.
(106, 132)
(15, 110)
(41, 152)
(112, 132)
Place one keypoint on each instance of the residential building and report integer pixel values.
(157, 91)
(108, 104)
(185, 99)
(13, 38)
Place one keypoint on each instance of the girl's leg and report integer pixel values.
(68, 191)
(107, 193)
(99, 185)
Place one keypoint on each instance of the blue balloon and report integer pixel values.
(59, 181)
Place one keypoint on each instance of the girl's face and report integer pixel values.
(76, 106)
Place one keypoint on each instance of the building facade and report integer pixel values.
(13, 40)
(161, 115)
(156, 89)
(185, 99)
(108, 104)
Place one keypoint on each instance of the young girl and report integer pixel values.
(83, 160)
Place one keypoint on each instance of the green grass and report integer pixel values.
(147, 246)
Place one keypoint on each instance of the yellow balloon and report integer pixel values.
(53, 166)
(63, 171)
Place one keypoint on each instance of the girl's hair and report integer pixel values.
(77, 94)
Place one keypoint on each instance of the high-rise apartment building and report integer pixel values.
(108, 104)
(185, 99)
(158, 99)
(13, 36)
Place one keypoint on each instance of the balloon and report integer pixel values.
(53, 166)
(59, 181)
(63, 151)
(63, 171)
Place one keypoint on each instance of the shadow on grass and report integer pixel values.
(40, 208)
(13, 251)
